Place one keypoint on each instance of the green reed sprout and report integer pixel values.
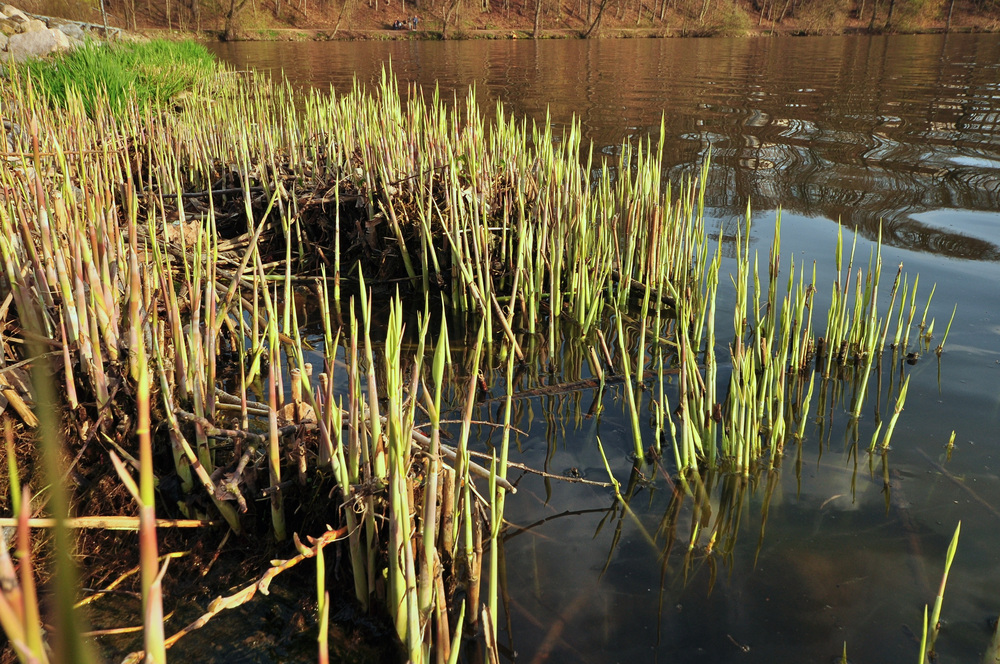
(935, 623)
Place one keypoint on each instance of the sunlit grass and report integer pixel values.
(155, 72)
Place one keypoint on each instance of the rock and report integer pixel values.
(33, 25)
(36, 44)
(19, 20)
(126, 37)
(62, 40)
(15, 137)
(9, 27)
(68, 28)
(44, 35)
(10, 11)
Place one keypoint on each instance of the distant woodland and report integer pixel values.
(373, 19)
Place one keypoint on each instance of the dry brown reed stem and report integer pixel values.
(258, 439)
(18, 404)
(274, 453)
(231, 399)
(28, 606)
(108, 523)
(475, 564)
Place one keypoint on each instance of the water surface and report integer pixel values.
(855, 128)
(898, 135)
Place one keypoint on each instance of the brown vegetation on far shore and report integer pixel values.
(301, 20)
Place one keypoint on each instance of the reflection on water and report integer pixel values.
(832, 547)
(866, 130)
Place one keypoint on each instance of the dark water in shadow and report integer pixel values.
(899, 130)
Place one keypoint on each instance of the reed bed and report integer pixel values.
(153, 260)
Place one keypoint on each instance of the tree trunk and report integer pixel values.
(447, 18)
(704, 10)
(596, 25)
(538, 19)
(871, 24)
(129, 10)
(951, 8)
(230, 32)
(783, 10)
(343, 10)
(888, 19)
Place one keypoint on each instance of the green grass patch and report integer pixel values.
(157, 71)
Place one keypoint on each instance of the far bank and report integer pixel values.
(322, 20)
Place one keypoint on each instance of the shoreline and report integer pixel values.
(321, 34)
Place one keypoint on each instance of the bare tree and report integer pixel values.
(229, 31)
(888, 19)
(343, 10)
(784, 9)
(596, 25)
(129, 10)
(871, 24)
(448, 15)
(538, 19)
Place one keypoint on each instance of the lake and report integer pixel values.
(891, 136)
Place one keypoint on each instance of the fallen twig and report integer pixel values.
(240, 597)
(554, 476)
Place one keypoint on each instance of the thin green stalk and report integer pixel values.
(939, 600)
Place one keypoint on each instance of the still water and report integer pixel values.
(898, 135)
